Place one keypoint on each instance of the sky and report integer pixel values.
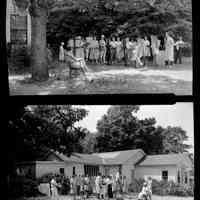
(180, 114)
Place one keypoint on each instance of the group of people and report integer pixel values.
(133, 51)
(101, 186)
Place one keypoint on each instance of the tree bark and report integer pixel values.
(39, 64)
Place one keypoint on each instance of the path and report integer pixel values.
(110, 80)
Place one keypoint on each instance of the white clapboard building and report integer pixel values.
(134, 164)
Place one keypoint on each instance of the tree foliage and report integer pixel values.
(120, 129)
(37, 128)
(120, 17)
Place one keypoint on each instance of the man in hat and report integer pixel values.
(102, 45)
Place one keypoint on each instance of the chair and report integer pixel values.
(74, 67)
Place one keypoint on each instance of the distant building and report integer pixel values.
(18, 26)
(133, 164)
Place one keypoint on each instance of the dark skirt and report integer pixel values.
(110, 192)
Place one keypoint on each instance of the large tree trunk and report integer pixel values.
(39, 63)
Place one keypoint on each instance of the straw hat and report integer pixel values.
(102, 36)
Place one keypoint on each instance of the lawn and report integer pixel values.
(105, 79)
(154, 197)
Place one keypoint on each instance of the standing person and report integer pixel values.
(169, 50)
(112, 50)
(146, 49)
(96, 50)
(113, 186)
(86, 186)
(178, 50)
(97, 184)
(103, 187)
(79, 46)
(82, 185)
(102, 49)
(110, 187)
(78, 185)
(118, 49)
(124, 185)
(126, 48)
(149, 185)
(71, 45)
(62, 52)
(154, 48)
(54, 190)
(87, 48)
(108, 52)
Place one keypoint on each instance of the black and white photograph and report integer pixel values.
(101, 152)
(66, 47)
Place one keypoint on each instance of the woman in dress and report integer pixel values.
(155, 49)
(62, 52)
(169, 50)
(108, 52)
(118, 49)
(102, 49)
(109, 187)
(74, 61)
(96, 50)
(146, 50)
(113, 50)
(79, 47)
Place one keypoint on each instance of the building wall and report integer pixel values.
(128, 171)
(156, 172)
(26, 169)
(111, 169)
(54, 167)
(11, 8)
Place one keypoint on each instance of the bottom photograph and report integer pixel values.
(112, 152)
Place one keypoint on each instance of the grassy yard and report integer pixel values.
(105, 79)
(154, 197)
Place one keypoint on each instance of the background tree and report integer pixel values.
(173, 140)
(40, 128)
(120, 129)
(88, 143)
(121, 17)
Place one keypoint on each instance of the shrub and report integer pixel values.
(23, 186)
(136, 185)
(163, 188)
(46, 178)
(171, 188)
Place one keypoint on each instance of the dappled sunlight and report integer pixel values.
(107, 79)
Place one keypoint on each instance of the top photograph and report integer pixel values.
(67, 47)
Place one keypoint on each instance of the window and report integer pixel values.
(165, 175)
(91, 170)
(74, 171)
(18, 29)
(62, 171)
